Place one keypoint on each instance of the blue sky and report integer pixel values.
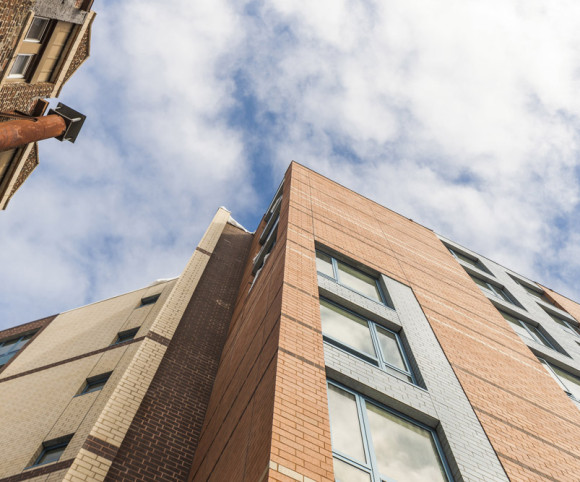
(463, 116)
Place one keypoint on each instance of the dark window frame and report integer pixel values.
(384, 298)
(28, 336)
(498, 292)
(149, 300)
(380, 360)
(93, 384)
(532, 335)
(62, 443)
(477, 263)
(125, 336)
(371, 467)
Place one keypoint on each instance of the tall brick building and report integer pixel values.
(42, 44)
(340, 341)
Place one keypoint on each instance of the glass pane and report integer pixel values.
(516, 325)
(537, 335)
(20, 65)
(9, 346)
(390, 348)
(358, 281)
(324, 264)
(6, 358)
(482, 284)
(567, 326)
(346, 328)
(344, 424)
(404, 451)
(503, 294)
(571, 382)
(50, 455)
(344, 472)
(36, 29)
(462, 257)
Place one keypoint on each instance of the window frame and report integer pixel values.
(380, 361)
(24, 72)
(43, 32)
(384, 300)
(149, 300)
(126, 333)
(477, 262)
(568, 328)
(560, 382)
(371, 467)
(29, 335)
(526, 325)
(498, 292)
(51, 445)
(92, 381)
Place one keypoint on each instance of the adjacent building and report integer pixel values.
(340, 341)
(42, 44)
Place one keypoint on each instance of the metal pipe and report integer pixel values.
(17, 133)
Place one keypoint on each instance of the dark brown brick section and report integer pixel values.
(37, 326)
(32, 473)
(100, 447)
(158, 338)
(163, 437)
(236, 437)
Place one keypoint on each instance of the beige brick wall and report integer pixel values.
(43, 405)
(89, 328)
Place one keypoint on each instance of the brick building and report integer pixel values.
(340, 340)
(42, 44)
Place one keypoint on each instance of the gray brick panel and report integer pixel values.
(442, 405)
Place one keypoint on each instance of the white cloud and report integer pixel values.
(460, 115)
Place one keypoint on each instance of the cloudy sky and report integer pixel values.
(463, 115)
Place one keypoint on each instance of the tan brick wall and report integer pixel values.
(40, 402)
(89, 328)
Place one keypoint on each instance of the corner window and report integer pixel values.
(476, 263)
(567, 326)
(52, 451)
(372, 442)
(149, 300)
(493, 290)
(94, 384)
(349, 277)
(365, 339)
(127, 335)
(526, 330)
(9, 348)
(569, 383)
(37, 29)
(21, 66)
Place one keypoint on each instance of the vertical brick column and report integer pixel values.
(301, 449)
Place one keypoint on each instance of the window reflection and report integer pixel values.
(345, 427)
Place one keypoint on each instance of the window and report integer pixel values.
(127, 335)
(94, 384)
(526, 330)
(367, 340)
(52, 451)
(372, 442)
(349, 277)
(9, 348)
(21, 66)
(493, 290)
(476, 263)
(270, 236)
(37, 29)
(569, 383)
(149, 300)
(567, 326)
(539, 295)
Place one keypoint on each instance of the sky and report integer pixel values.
(462, 115)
